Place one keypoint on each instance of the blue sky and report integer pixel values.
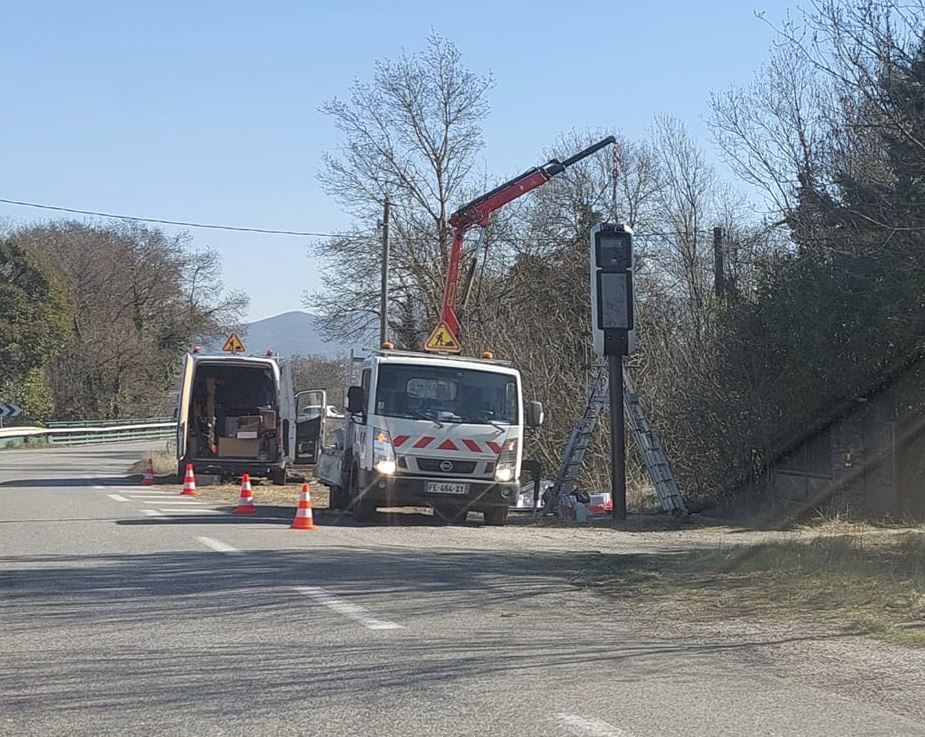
(208, 111)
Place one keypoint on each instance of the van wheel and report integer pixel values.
(496, 516)
(278, 476)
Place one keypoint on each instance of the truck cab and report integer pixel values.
(430, 430)
(239, 414)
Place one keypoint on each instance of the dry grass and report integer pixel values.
(872, 582)
(265, 493)
(165, 464)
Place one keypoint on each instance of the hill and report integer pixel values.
(288, 334)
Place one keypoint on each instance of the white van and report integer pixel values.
(238, 414)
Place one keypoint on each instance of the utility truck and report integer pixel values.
(239, 414)
(434, 429)
(429, 430)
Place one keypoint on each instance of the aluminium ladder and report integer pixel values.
(647, 440)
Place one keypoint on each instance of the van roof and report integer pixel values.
(231, 357)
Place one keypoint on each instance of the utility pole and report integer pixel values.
(384, 289)
(719, 278)
(617, 438)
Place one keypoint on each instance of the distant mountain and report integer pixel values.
(288, 334)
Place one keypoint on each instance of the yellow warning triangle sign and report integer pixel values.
(233, 344)
(441, 340)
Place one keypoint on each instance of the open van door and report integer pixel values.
(183, 404)
(287, 412)
(311, 412)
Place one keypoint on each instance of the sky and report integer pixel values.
(209, 111)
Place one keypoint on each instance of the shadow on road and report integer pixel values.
(178, 620)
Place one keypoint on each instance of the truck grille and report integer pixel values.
(432, 465)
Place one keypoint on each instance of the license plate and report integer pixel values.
(446, 487)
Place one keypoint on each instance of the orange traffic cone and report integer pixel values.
(303, 514)
(246, 501)
(189, 482)
(148, 478)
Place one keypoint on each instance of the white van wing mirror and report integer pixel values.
(534, 414)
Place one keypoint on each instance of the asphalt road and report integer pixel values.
(127, 611)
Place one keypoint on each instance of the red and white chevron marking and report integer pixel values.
(489, 447)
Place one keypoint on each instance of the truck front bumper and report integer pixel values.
(415, 491)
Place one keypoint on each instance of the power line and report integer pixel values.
(301, 233)
(182, 223)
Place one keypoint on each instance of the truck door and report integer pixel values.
(311, 412)
(183, 402)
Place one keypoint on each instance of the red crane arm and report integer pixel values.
(478, 212)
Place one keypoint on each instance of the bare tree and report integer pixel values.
(410, 135)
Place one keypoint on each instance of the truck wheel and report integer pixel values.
(278, 476)
(363, 509)
(496, 516)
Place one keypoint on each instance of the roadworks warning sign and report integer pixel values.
(441, 340)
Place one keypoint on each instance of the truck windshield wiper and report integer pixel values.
(424, 416)
(489, 417)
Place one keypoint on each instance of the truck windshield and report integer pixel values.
(446, 394)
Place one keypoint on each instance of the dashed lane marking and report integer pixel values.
(117, 498)
(589, 727)
(211, 542)
(347, 608)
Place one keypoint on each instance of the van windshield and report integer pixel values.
(446, 394)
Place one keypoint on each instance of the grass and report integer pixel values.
(869, 582)
(265, 493)
(165, 464)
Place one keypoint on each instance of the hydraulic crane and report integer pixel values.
(477, 213)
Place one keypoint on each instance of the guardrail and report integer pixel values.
(85, 433)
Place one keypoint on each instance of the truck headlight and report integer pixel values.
(383, 452)
(386, 468)
(506, 466)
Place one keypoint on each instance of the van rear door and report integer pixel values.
(183, 402)
(287, 423)
(311, 412)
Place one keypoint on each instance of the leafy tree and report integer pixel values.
(140, 299)
(35, 321)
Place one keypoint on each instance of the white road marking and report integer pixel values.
(100, 488)
(187, 510)
(148, 498)
(147, 492)
(117, 498)
(589, 727)
(211, 542)
(348, 609)
(152, 512)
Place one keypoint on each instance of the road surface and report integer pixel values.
(128, 611)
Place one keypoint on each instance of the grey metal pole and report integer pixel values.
(384, 292)
(617, 439)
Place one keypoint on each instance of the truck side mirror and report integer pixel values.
(355, 400)
(534, 414)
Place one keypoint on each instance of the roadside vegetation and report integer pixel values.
(855, 579)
